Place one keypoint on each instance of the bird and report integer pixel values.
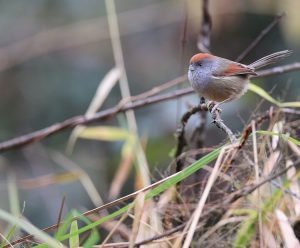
(221, 80)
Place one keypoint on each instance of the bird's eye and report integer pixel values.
(199, 64)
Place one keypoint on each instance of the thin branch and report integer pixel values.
(216, 116)
(181, 141)
(204, 37)
(30, 138)
(36, 136)
(61, 210)
(279, 70)
(247, 131)
(263, 33)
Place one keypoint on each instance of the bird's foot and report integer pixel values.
(213, 107)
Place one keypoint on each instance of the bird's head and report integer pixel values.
(201, 62)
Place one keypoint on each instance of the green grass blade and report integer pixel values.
(94, 237)
(245, 233)
(157, 190)
(290, 105)
(261, 92)
(64, 226)
(74, 239)
(28, 227)
(281, 135)
(247, 230)
(184, 173)
(10, 234)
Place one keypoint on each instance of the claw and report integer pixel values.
(210, 104)
(216, 108)
(213, 107)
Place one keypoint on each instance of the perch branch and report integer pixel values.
(204, 37)
(181, 141)
(203, 45)
(262, 34)
(33, 137)
(82, 120)
(278, 70)
(216, 116)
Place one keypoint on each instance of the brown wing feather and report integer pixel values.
(238, 69)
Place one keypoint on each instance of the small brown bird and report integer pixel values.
(221, 80)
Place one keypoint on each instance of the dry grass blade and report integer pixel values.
(30, 228)
(220, 224)
(258, 193)
(82, 175)
(294, 148)
(278, 128)
(124, 216)
(152, 225)
(294, 186)
(14, 201)
(50, 179)
(269, 239)
(138, 212)
(104, 88)
(142, 163)
(270, 163)
(5, 240)
(196, 215)
(125, 92)
(120, 176)
(287, 231)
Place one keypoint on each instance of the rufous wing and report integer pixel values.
(235, 69)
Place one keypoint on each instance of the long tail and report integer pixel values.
(270, 59)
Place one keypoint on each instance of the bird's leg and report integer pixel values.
(216, 108)
(213, 106)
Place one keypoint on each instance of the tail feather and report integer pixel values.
(270, 59)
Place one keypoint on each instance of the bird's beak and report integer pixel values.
(191, 68)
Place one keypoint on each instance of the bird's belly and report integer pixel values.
(221, 89)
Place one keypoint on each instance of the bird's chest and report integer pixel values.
(199, 80)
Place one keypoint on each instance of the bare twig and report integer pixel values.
(30, 138)
(61, 210)
(204, 37)
(262, 34)
(199, 133)
(279, 70)
(247, 131)
(181, 143)
(220, 124)
(33, 137)
(252, 187)
(203, 44)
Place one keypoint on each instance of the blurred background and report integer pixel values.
(54, 54)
